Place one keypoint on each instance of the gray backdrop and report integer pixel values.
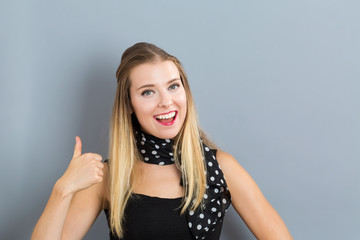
(276, 84)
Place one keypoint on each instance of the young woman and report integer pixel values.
(163, 179)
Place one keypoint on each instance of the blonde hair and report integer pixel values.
(123, 153)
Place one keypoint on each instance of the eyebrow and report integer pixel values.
(152, 85)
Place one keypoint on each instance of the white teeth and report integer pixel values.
(166, 116)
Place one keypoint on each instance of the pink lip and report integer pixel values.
(169, 123)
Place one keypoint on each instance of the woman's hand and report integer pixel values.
(83, 171)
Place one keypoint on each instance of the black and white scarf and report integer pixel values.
(217, 197)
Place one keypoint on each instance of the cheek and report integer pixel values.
(183, 98)
(141, 108)
(182, 102)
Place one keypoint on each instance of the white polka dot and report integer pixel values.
(207, 149)
(213, 209)
(210, 164)
(222, 181)
(144, 139)
(172, 159)
(146, 159)
(191, 213)
(212, 178)
(213, 157)
(142, 142)
(171, 154)
(157, 156)
(143, 151)
(209, 221)
(156, 146)
(161, 163)
(199, 227)
(154, 152)
(167, 140)
(206, 229)
(190, 224)
(219, 214)
(216, 172)
(152, 141)
(218, 202)
(224, 201)
(205, 196)
(216, 190)
(201, 215)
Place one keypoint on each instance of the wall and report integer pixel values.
(276, 84)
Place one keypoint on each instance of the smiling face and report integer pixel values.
(158, 98)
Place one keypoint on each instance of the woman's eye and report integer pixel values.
(174, 86)
(147, 93)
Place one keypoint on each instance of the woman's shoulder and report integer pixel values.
(225, 159)
(231, 168)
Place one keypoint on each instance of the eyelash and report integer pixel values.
(175, 85)
(145, 92)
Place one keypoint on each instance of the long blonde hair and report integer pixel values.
(123, 153)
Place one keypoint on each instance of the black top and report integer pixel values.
(147, 217)
(154, 218)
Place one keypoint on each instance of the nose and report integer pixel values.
(165, 100)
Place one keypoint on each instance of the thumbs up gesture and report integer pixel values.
(83, 171)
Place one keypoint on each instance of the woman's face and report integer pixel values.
(158, 98)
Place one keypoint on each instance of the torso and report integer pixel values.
(159, 186)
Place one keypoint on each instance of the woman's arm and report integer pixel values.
(249, 202)
(80, 187)
(84, 209)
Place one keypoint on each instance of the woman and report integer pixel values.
(163, 179)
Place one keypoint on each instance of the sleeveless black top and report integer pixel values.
(154, 218)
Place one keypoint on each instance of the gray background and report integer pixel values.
(276, 84)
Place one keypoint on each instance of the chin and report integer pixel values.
(167, 134)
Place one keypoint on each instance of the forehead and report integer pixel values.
(153, 73)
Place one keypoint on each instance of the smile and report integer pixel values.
(166, 119)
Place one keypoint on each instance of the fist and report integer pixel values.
(84, 170)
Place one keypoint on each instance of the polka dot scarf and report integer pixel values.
(202, 223)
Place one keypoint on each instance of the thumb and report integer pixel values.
(77, 150)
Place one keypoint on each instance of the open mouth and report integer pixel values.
(166, 118)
